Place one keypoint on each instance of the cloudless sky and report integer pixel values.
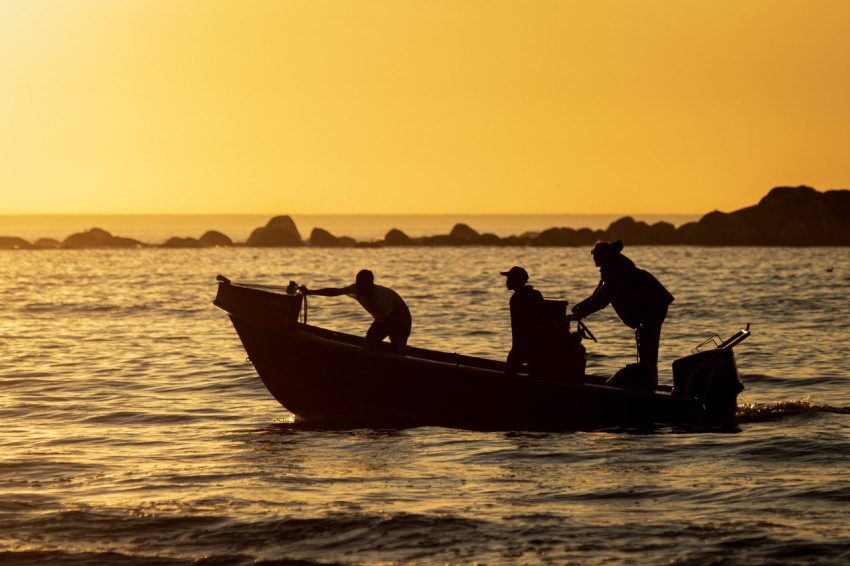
(434, 106)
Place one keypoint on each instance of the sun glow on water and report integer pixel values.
(134, 424)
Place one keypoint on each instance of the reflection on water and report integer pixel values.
(133, 424)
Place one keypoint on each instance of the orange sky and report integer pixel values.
(393, 106)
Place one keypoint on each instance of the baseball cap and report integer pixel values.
(516, 272)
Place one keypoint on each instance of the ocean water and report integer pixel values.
(136, 433)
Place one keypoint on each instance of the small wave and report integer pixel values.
(755, 378)
(481, 333)
(139, 418)
(767, 412)
(65, 558)
(407, 535)
(82, 308)
(477, 291)
(158, 540)
(825, 493)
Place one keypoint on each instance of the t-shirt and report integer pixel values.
(385, 305)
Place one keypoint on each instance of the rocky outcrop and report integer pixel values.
(320, 237)
(463, 234)
(47, 244)
(717, 229)
(14, 243)
(786, 216)
(516, 241)
(213, 238)
(98, 238)
(88, 239)
(210, 239)
(438, 240)
(176, 242)
(635, 232)
(486, 239)
(396, 237)
(280, 231)
(460, 235)
(800, 216)
(566, 237)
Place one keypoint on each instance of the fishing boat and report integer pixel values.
(331, 378)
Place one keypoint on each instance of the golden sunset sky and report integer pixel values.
(393, 106)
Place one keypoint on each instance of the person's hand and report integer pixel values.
(304, 290)
(577, 312)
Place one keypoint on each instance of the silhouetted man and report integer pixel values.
(638, 298)
(536, 340)
(392, 317)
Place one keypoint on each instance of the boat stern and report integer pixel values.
(712, 377)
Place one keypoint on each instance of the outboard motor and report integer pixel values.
(711, 376)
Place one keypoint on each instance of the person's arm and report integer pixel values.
(327, 291)
(600, 299)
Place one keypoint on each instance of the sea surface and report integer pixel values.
(135, 432)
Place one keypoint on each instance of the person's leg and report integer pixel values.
(376, 333)
(398, 336)
(648, 336)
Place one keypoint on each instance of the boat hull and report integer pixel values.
(323, 376)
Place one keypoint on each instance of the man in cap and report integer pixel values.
(531, 327)
(392, 317)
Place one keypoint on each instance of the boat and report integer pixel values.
(330, 378)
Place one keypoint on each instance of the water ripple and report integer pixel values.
(136, 433)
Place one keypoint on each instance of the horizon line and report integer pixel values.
(352, 214)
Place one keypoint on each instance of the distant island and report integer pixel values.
(786, 216)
